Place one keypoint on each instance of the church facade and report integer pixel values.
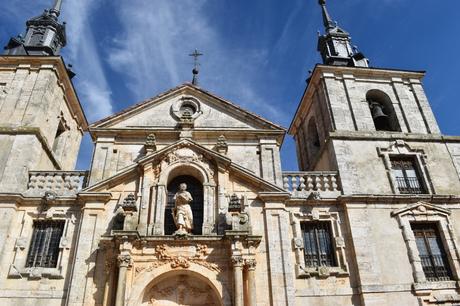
(186, 202)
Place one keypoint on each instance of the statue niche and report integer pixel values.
(184, 211)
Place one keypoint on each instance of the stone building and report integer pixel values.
(372, 218)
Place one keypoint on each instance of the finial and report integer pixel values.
(56, 10)
(196, 54)
(327, 20)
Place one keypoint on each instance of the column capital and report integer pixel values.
(250, 264)
(125, 260)
(237, 261)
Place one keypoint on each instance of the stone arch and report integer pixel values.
(378, 99)
(147, 280)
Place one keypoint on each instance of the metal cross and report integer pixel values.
(196, 54)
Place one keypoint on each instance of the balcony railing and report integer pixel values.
(64, 183)
(436, 268)
(303, 184)
(409, 185)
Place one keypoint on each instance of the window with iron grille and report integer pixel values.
(44, 247)
(318, 250)
(406, 175)
(432, 254)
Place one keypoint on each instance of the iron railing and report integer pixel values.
(409, 185)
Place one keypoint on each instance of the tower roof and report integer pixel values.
(335, 45)
(45, 35)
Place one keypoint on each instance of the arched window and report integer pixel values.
(313, 142)
(195, 188)
(382, 111)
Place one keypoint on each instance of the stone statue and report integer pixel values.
(182, 213)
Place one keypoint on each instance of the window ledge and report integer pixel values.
(35, 273)
(320, 272)
(429, 286)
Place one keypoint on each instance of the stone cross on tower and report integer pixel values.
(196, 54)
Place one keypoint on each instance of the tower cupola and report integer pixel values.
(335, 45)
(45, 35)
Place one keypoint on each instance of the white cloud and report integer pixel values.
(157, 36)
(82, 51)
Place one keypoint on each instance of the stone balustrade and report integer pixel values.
(64, 183)
(303, 184)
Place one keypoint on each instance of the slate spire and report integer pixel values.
(335, 45)
(45, 35)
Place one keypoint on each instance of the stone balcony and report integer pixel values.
(318, 184)
(62, 183)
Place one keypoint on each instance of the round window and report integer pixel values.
(187, 107)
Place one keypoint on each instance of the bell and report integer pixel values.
(377, 112)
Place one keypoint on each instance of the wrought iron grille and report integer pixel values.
(406, 176)
(196, 190)
(318, 250)
(432, 254)
(44, 247)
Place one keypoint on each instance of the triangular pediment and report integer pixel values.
(164, 111)
(421, 208)
(186, 151)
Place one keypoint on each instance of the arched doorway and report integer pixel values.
(195, 188)
(181, 290)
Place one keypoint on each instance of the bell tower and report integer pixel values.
(351, 113)
(42, 121)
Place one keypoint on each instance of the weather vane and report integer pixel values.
(196, 54)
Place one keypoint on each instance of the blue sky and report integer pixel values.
(257, 53)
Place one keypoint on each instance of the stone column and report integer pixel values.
(238, 280)
(251, 266)
(124, 261)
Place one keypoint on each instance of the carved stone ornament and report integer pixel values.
(180, 257)
(129, 203)
(187, 155)
(298, 243)
(182, 290)
(150, 143)
(251, 264)
(237, 261)
(125, 260)
(222, 145)
(235, 204)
